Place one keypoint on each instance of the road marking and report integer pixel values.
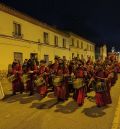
(116, 121)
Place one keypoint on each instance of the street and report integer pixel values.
(25, 112)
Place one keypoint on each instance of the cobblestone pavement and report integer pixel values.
(24, 112)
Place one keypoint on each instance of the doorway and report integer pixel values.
(46, 58)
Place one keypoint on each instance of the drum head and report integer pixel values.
(78, 83)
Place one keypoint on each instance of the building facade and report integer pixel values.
(81, 48)
(103, 51)
(22, 37)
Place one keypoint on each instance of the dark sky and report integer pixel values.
(96, 20)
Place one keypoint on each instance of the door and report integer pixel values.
(33, 56)
(46, 58)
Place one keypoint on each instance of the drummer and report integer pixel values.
(43, 73)
(31, 71)
(16, 84)
(100, 89)
(59, 87)
(66, 77)
(79, 93)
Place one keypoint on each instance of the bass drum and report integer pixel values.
(12, 78)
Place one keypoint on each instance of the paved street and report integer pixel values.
(24, 112)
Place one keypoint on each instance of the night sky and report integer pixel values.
(96, 20)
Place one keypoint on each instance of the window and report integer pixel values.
(16, 29)
(33, 56)
(77, 43)
(81, 45)
(90, 47)
(64, 43)
(56, 40)
(72, 55)
(46, 58)
(46, 38)
(87, 47)
(18, 56)
(82, 56)
(72, 42)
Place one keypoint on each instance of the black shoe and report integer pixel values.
(13, 94)
(30, 94)
(60, 100)
(21, 92)
(99, 106)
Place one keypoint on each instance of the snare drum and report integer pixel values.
(57, 80)
(25, 78)
(39, 81)
(78, 83)
(12, 78)
(100, 86)
(70, 80)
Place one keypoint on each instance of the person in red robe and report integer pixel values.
(32, 70)
(43, 74)
(70, 79)
(53, 71)
(108, 85)
(66, 76)
(55, 65)
(16, 84)
(60, 89)
(79, 94)
(100, 90)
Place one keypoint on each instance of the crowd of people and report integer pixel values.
(63, 77)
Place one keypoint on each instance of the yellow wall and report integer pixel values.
(9, 46)
(29, 43)
(30, 32)
(81, 51)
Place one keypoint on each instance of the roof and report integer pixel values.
(30, 19)
(71, 33)
(14, 12)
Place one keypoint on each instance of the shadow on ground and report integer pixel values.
(94, 111)
(51, 95)
(91, 98)
(68, 108)
(45, 105)
(22, 98)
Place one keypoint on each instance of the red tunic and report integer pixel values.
(79, 94)
(30, 83)
(60, 91)
(100, 97)
(43, 71)
(16, 84)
